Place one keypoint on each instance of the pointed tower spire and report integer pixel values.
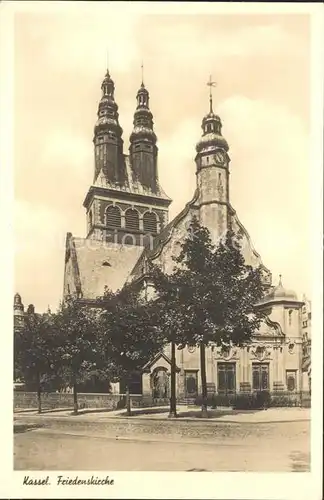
(18, 305)
(212, 128)
(212, 163)
(143, 150)
(125, 199)
(18, 311)
(108, 135)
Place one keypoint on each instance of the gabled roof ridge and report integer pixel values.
(159, 355)
(166, 232)
(246, 233)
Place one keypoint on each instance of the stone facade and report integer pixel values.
(272, 361)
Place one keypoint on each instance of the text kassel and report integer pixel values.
(93, 481)
(36, 481)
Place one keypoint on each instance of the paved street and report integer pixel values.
(285, 447)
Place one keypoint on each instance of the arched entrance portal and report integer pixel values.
(160, 383)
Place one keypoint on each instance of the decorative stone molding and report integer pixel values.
(291, 346)
(227, 353)
(269, 328)
(260, 352)
(98, 212)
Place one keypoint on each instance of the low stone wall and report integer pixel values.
(53, 400)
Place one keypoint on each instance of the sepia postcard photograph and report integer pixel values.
(161, 183)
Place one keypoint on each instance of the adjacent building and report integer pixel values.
(307, 343)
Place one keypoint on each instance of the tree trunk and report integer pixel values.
(128, 400)
(173, 399)
(204, 412)
(75, 399)
(39, 391)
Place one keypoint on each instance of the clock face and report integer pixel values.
(220, 157)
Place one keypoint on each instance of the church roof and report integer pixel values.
(97, 265)
(161, 239)
(130, 185)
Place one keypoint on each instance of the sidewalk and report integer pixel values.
(222, 415)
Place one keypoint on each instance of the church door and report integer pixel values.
(260, 376)
(160, 384)
(226, 378)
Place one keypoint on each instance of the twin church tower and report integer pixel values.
(125, 203)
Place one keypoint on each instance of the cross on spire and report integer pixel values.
(211, 84)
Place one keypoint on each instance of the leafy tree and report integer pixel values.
(129, 336)
(33, 351)
(168, 317)
(78, 345)
(210, 296)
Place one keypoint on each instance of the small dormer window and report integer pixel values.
(106, 263)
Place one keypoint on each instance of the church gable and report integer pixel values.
(269, 328)
(161, 360)
(167, 244)
(251, 256)
(92, 265)
(104, 265)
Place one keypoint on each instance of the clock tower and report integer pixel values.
(212, 170)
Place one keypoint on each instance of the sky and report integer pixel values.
(261, 66)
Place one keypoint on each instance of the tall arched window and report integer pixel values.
(90, 219)
(132, 219)
(150, 222)
(113, 216)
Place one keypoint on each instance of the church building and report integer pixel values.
(127, 214)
